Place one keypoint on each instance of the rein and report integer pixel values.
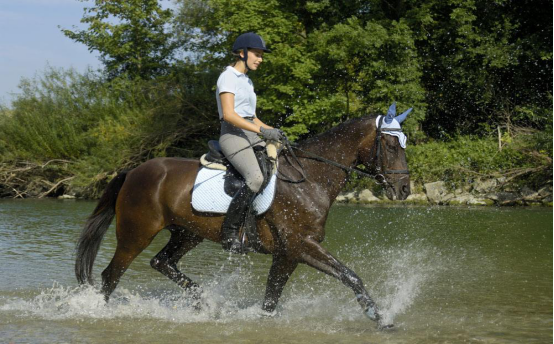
(379, 175)
(329, 162)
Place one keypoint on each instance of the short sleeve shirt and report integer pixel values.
(233, 81)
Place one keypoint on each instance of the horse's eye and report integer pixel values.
(391, 148)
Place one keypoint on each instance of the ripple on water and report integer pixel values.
(442, 275)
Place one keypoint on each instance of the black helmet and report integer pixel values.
(249, 40)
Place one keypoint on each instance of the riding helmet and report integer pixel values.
(249, 40)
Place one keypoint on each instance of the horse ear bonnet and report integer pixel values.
(391, 113)
(402, 117)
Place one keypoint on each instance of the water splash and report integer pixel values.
(221, 303)
(318, 302)
(222, 300)
(408, 273)
(399, 274)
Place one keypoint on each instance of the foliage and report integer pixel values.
(132, 36)
(467, 158)
(320, 72)
(481, 61)
(471, 70)
(466, 66)
(42, 123)
(100, 125)
(527, 157)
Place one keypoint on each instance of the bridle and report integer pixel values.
(378, 157)
(379, 176)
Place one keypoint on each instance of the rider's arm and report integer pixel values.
(261, 124)
(230, 116)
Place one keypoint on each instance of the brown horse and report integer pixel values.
(157, 195)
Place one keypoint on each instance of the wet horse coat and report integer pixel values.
(157, 195)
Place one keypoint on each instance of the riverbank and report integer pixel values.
(480, 193)
(490, 192)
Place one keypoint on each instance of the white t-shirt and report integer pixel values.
(233, 81)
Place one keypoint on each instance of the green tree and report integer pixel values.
(132, 37)
(485, 63)
(330, 61)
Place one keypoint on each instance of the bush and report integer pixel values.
(466, 158)
(50, 119)
(103, 126)
(524, 159)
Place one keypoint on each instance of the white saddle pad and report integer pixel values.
(208, 194)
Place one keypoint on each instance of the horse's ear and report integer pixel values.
(391, 113)
(402, 117)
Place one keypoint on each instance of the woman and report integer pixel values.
(236, 104)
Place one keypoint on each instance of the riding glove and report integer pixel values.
(271, 134)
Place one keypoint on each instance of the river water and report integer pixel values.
(442, 274)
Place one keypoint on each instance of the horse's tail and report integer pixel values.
(95, 228)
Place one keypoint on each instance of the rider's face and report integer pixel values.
(255, 57)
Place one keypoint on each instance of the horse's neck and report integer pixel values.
(341, 145)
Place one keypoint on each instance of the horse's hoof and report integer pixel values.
(267, 314)
(234, 246)
(385, 327)
(372, 314)
(197, 306)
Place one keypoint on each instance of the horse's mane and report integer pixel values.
(348, 129)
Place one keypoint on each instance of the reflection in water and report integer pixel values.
(442, 275)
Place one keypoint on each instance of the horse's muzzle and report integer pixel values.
(398, 190)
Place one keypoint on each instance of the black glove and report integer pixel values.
(271, 134)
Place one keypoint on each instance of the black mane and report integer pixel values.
(346, 131)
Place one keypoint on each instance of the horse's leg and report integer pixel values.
(281, 269)
(123, 257)
(165, 261)
(317, 257)
(133, 236)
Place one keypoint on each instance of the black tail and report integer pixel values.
(95, 228)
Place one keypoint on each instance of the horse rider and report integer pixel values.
(240, 127)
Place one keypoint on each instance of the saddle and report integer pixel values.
(233, 181)
(215, 159)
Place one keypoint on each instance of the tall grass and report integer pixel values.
(102, 126)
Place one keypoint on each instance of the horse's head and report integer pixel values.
(384, 154)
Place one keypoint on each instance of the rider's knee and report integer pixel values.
(255, 182)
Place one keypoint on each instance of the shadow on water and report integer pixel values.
(441, 274)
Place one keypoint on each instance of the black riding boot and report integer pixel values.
(233, 220)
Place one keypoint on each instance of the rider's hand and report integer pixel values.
(271, 134)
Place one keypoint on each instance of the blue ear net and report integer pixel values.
(391, 113)
(402, 117)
